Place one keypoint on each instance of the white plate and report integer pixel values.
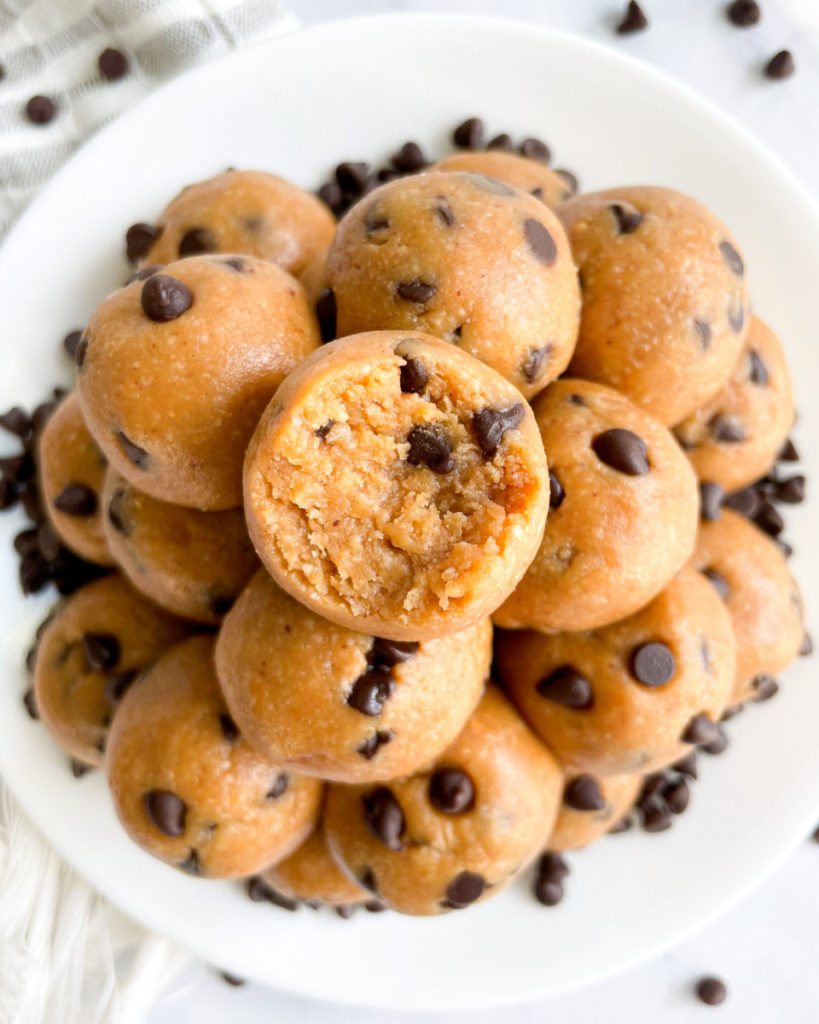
(296, 106)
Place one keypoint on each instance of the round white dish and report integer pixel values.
(297, 105)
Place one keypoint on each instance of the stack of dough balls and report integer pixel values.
(316, 550)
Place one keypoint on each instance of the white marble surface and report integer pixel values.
(766, 949)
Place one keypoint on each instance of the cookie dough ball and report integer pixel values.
(90, 653)
(630, 697)
(186, 785)
(623, 517)
(592, 806)
(749, 573)
(520, 172)
(665, 306)
(177, 368)
(734, 439)
(310, 874)
(468, 259)
(397, 486)
(457, 831)
(71, 469)
(249, 213)
(320, 699)
(193, 563)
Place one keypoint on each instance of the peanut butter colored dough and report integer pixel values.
(582, 692)
(734, 438)
(320, 699)
(190, 562)
(311, 874)
(665, 305)
(615, 536)
(521, 172)
(71, 468)
(186, 785)
(458, 831)
(251, 213)
(98, 642)
(467, 259)
(397, 486)
(576, 828)
(173, 403)
(749, 571)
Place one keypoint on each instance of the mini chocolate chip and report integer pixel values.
(279, 787)
(764, 687)
(469, 134)
(17, 468)
(736, 317)
(623, 825)
(113, 64)
(220, 604)
(537, 192)
(116, 513)
(444, 212)
(327, 313)
(687, 765)
(231, 979)
(374, 907)
(757, 370)
(745, 501)
(623, 450)
(768, 519)
(537, 359)
(540, 241)
(345, 911)
(118, 685)
(386, 653)
(384, 818)
(429, 446)
(784, 547)
(536, 149)
(718, 581)
(369, 747)
(791, 491)
(556, 492)
(409, 158)
(548, 891)
(260, 892)
(743, 13)
(191, 865)
(414, 376)
(490, 426)
(16, 421)
(718, 744)
(70, 343)
(806, 647)
(566, 686)
(101, 651)
(41, 109)
(781, 65)
(711, 991)
(138, 456)
(368, 880)
(703, 329)
(677, 795)
(237, 263)
(417, 291)
(788, 452)
(452, 791)
(8, 494)
(699, 730)
(30, 702)
(376, 220)
(230, 730)
(502, 142)
(633, 20)
(139, 238)
(48, 542)
(655, 818)
(732, 258)
(166, 811)
(652, 664)
(331, 194)
(552, 865)
(81, 352)
(464, 889)
(583, 794)
(78, 769)
(165, 298)
(627, 221)
(571, 180)
(370, 692)
(352, 175)
(76, 500)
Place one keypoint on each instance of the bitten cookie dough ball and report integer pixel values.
(323, 700)
(468, 259)
(734, 439)
(749, 573)
(623, 517)
(397, 486)
(528, 175)
(592, 806)
(665, 307)
(458, 831)
(250, 213)
(188, 788)
(193, 563)
(91, 652)
(177, 368)
(310, 874)
(631, 697)
(72, 468)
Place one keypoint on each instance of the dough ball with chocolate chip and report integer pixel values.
(190, 562)
(249, 213)
(179, 366)
(734, 438)
(324, 700)
(633, 696)
(71, 469)
(468, 259)
(750, 575)
(397, 486)
(99, 641)
(592, 806)
(623, 516)
(310, 874)
(187, 786)
(460, 829)
(532, 176)
(665, 303)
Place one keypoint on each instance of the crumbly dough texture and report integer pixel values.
(612, 540)
(173, 404)
(76, 699)
(467, 259)
(665, 303)
(521, 172)
(626, 726)
(326, 701)
(311, 874)
(406, 514)
(734, 438)
(223, 811)
(247, 212)
(517, 787)
(575, 828)
(761, 596)
(193, 563)
(68, 457)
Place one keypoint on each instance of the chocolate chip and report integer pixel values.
(386, 653)
(464, 889)
(568, 687)
(552, 865)
(768, 519)
(116, 515)
(687, 765)
(113, 64)
(556, 492)
(540, 241)
(231, 979)
(535, 149)
(8, 495)
(413, 376)
(230, 730)
(327, 313)
(718, 581)
(384, 817)
(535, 362)
(452, 791)
(444, 212)
(138, 240)
(260, 892)
(118, 685)
(537, 192)
(25, 541)
(81, 352)
(652, 664)
(368, 880)
(623, 450)
(583, 794)
(101, 651)
(806, 647)
(165, 298)
(370, 693)
(633, 20)
(627, 220)
(331, 194)
(764, 687)
(30, 702)
(784, 546)
(502, 142)
(409, 158)
(237, 263)
(791, 491)
(469, 134)
(655, 818)
(718, 745)
(623, 825)
(375, 220)
(369, 748)
(16, 422)
(138, 456)
(677, 796)
(220, 604)
(322, 431)
(17, 468)
(711, 991)
(48, 542)
(429, 446)
(417, 291)
(279, 787)
(781, 65)
(374, 907)
(76, 500)
(788, 452)
(703, 329)
(41, 109)
(732, 258)
(743, 13)
(490, 426)
(78, 769)
(746, 502)
(345, 911)
(166, 811)
(191, 865)
(571, 180)
(757, 370)
(352, 175)
(699, 730)
(736, 317)
(548, 892)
